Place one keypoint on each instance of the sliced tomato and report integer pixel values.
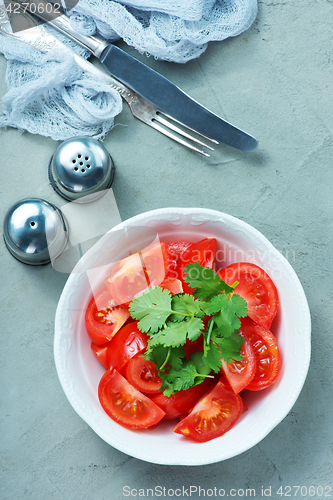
(156, 262)
(214, 415)
(173, 285)
(103, 322)
(143, 375)
(240, 373)
(257, 288)
(101, 352)
(203, 251)
(225, 382)
(135, 273)
(192, 346)
(182, 401)
(267, 355)
(245, 407)
(176, 250)
(127, 279)
(125, 404)
(128, 342)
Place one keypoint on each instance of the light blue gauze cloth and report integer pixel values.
(56, 99)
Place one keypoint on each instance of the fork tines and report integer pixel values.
(160, 118)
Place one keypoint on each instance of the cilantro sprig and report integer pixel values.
(171, 320)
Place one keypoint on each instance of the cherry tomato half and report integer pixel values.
(267, 355)
(182, 401)
(143, 375)
(257, 288)
(240, 373)
(135, 273)
(128, 342)
(214, 415)
(125, 404)
(102, 323)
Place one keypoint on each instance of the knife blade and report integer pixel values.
(148, 83)
(172, 100)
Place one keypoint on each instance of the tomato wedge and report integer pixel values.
(128, 342)
(267, 355)
(240, 373)
(156, 262)
(203, 251)
(125, 404)
(257, 288)
(101, 352)
(181, 402)
(173, 285)
(176, 250)
(214, 415)
(102, 323)
(135, 273)
(143, 375)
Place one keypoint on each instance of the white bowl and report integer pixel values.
(79, 370)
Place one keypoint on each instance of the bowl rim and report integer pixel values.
(207, 214)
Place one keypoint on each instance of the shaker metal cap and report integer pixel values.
(79, 167)
(35, 231)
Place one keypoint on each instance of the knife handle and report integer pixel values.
(49, 13)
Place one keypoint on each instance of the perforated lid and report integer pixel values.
(81, 166)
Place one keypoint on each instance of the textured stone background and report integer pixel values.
(275, 81)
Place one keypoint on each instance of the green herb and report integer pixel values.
(171, 320)
(206, 281)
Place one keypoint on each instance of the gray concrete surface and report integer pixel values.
(275, 81)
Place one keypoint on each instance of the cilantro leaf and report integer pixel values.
(162, 355)
(184, 378)
(185, 304)
(152, 309)
(206, 281)
(197, 358)
(230, 347)
(176, 353)
(212, 357)
(174, 334)
(235, 304)
(195, 327)
(155, 340)
(227, 311)
(157, 355)
(240, 304)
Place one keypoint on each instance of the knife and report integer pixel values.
(146, 82)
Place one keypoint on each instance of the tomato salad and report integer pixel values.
(182, 341)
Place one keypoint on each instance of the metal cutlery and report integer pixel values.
(155, 88)
(42, 40)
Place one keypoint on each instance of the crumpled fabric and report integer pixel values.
(56, 99)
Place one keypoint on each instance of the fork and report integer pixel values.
(151, 115)
(42, 40)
